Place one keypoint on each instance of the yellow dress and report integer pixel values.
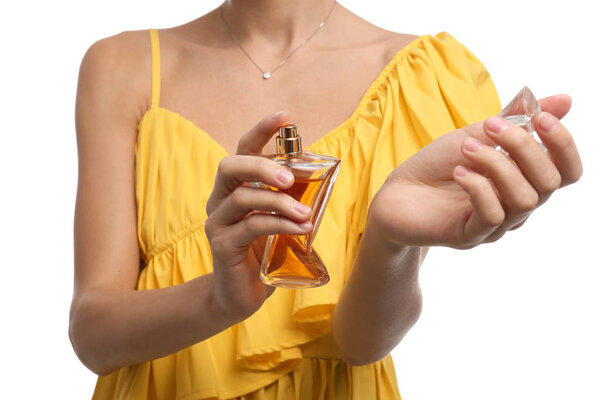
(285, 350)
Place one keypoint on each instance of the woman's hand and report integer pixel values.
(459, 191)
(239, 218)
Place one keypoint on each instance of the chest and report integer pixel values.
(225, 95)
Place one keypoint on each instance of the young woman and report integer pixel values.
(168, 303)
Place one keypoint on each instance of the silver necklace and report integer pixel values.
(267, 74)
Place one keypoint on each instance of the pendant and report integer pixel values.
(266, 75)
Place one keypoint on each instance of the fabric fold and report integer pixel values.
(432, 87)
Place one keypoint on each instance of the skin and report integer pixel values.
(451, 193)
(470, 197)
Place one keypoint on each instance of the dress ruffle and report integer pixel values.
(285, 351)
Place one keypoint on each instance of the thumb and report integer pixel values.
(254, 140)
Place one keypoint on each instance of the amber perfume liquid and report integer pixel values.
(289, 260)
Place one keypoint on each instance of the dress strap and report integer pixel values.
(154, 43)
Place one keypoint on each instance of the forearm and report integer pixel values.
(380, 302)
(110, 330)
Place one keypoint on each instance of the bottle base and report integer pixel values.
(293, 282)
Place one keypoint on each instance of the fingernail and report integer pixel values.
(302, 208)
(548, 122)
(461, 171)
(284, 176)
(277, 114)
(472, 144)
(497, 124)
(305, 225)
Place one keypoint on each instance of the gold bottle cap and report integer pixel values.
(288, 141)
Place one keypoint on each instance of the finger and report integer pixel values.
(516, 193)
(533, 162)
(246, 199)
(254, 226)
(487, 214)
(235, 170)
(520, 224)
(254, 140)
(558, 105)
(561, 147)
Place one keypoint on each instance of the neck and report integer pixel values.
(274, 25)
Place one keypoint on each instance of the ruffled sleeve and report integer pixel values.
(437, 86)
(433, 86)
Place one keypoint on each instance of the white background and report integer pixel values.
(517, 319)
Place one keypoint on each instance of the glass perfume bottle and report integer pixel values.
(289, 260)
(520, 111)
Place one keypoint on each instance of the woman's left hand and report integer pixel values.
(459, 191)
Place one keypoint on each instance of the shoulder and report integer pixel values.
(125, 50)
(394, 42)
(119, 65)
(376, 39)
(440, 49)
(388, 43)
(440, 42)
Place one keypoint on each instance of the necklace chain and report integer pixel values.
(267, 74)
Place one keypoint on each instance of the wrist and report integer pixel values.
(377, 229)
(381, 245)
(208, 308)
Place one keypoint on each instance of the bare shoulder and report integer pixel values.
(121, 53)
(394, 42)
(385, 42)
(119, 44)
(118, 68)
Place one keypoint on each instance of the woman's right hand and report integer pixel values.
(240, 216)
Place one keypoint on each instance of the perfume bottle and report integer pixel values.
(289, 260)
(520, 111)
